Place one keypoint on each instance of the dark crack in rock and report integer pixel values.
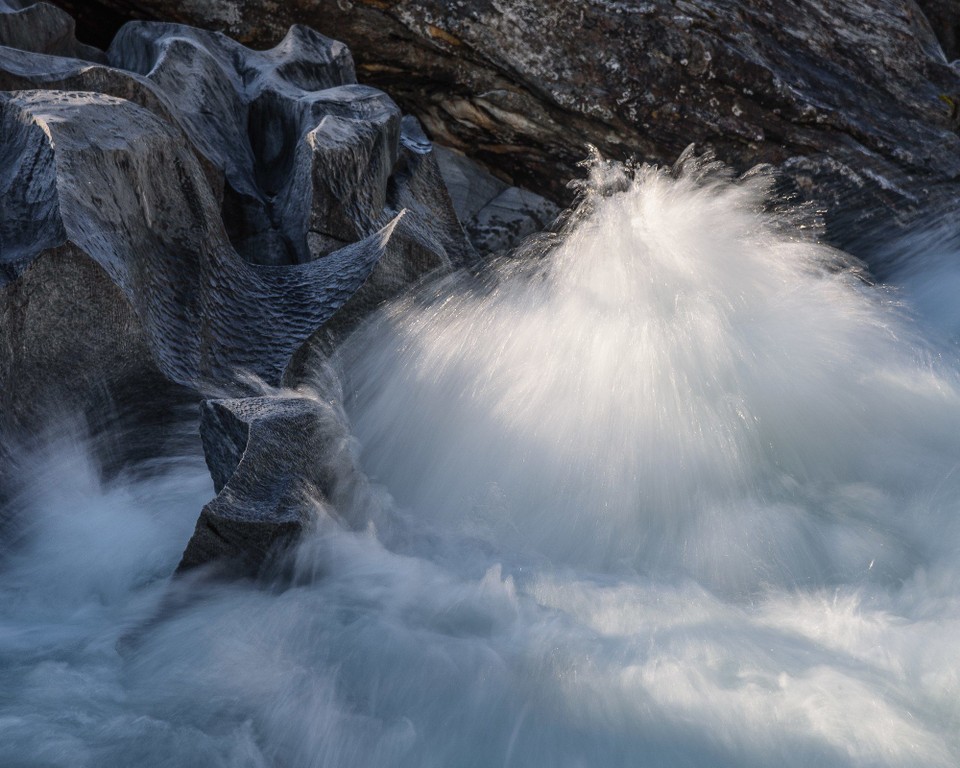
(944, 18)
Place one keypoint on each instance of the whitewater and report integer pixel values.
(675, 485)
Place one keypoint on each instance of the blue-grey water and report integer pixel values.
(681, 489)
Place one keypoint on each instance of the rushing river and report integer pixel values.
(676, 488)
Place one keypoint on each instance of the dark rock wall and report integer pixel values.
(852, 99)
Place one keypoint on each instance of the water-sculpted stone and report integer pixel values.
(42, 28)
(130, 197)
(276, 464)
(184, 212)
(843, 95)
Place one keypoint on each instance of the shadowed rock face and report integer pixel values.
(266, 492)
(944, 18)
(495, 215)
(842, 95)
(182, 217)
(42, 28)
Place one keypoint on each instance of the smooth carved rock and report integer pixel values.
(185, 215)
(256, 117)
(237, 199)
(842, 95)
(250, 113)
(42, 28)
(276, 462)
(313, 161)
(117, 184)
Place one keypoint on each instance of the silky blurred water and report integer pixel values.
(675, 488)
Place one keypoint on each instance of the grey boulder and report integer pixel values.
(279, 463)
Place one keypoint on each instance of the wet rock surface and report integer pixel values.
(496, 216)
(181, 217)
(844, 97)
(267, 491)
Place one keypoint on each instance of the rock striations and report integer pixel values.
(853, 100)
(182, 212)
(266, 492)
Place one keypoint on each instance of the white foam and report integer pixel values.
(677, 387)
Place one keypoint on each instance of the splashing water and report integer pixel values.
(680, 490)
(677, 388)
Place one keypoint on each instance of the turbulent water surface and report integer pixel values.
(677, 489)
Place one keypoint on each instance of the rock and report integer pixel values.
(69, 342)
(118, 186)
(232, 201)
(496, 216)
(470, 186)
(42, 28)
(277, 463)
(842, 95)
(509, 218)
(309, 156)
(181, 218)
(944, 18)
